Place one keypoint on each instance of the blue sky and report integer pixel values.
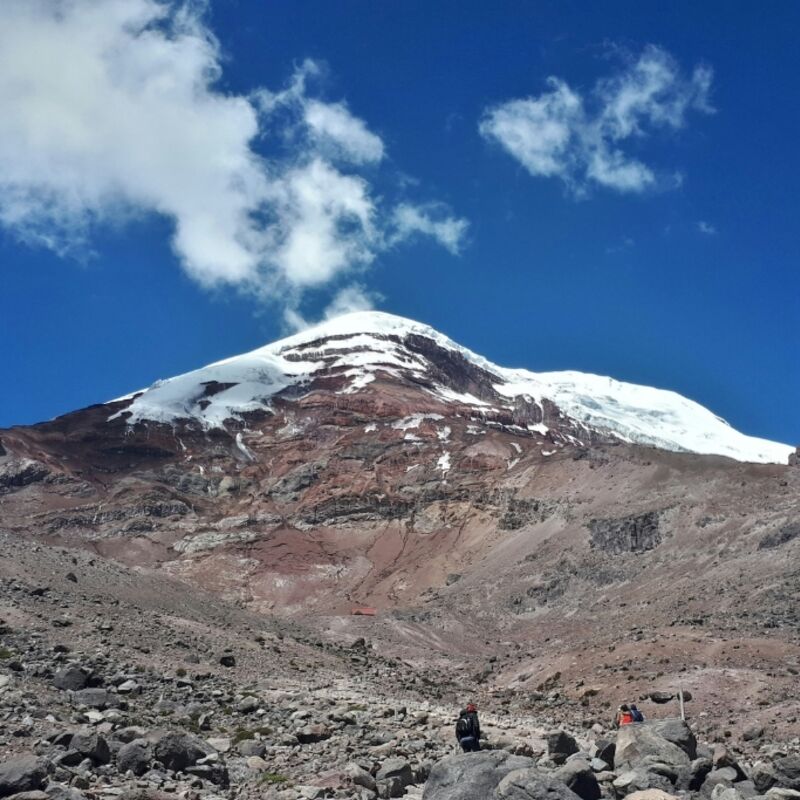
(187, 198)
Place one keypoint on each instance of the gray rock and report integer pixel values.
(393, 777)
(26, 774)
(579, 777)
(360, 777)
(605, 750)
(560, 745)
(764, 776)
(531, 784)
(57, 791)
(178, 751)
(637, 780)
(471, 776)
(313, 733)
(135, 757)
(675, 731)
(724, 776)
(71, 677)
(250, 747)
(91, 746)
(93, 698)
(646, 743)
(247, 705)
(789, 771)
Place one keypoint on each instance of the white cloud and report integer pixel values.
(350, 299)
(429, 220)
(347, 300)
(333, 124)
(706, 227)
(578, 138)
(113, 109)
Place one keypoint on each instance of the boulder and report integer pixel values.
(178, 751)
(651, 794)
(313, 733)
(93, 698)
(26, 774)
(605, 750)
(579, 776)
(637, 780)
(788, 768)
(764, 776)
(250, 747)
(560, 745)
(698, 770)
(531, 784)
(393, 777)
(134, 757)
(91, 746)
(360, 777)
(472, 776)
(777, 793)
(646, 743)
(71, 678)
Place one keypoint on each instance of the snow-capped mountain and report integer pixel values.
(354, 353)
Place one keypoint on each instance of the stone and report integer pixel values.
(220, 744)
(646, 743)
(135, 757)
(560, 745)
(779, 793)
(71, 678)
(91, 746)
(26, 774)
(531, 784)
(578, 776)
(764, 776)
(227, 660)
(637, 780)
(247, 705)
(178, 751)
(251, 747)
(789, 771)
(360, 777)
(393, 777)
(93, 698)
(605, 750)
(313, 733)
(471, 776)
(651, 794)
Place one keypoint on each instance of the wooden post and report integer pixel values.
(680, 700)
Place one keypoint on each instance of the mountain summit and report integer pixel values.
(363, 351)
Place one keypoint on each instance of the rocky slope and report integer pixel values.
(545, 543)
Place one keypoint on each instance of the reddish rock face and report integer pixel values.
(472, 527)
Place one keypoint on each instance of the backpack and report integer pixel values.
(463, 728)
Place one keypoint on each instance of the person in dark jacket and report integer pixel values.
(468, 729)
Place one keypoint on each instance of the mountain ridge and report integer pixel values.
(356, 347)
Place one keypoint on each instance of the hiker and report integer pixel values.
(468, 729)
(624, 716)
(636, 714)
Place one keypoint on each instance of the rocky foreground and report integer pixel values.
(118, 683)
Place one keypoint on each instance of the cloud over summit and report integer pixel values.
(113, 109)
(581, 138)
